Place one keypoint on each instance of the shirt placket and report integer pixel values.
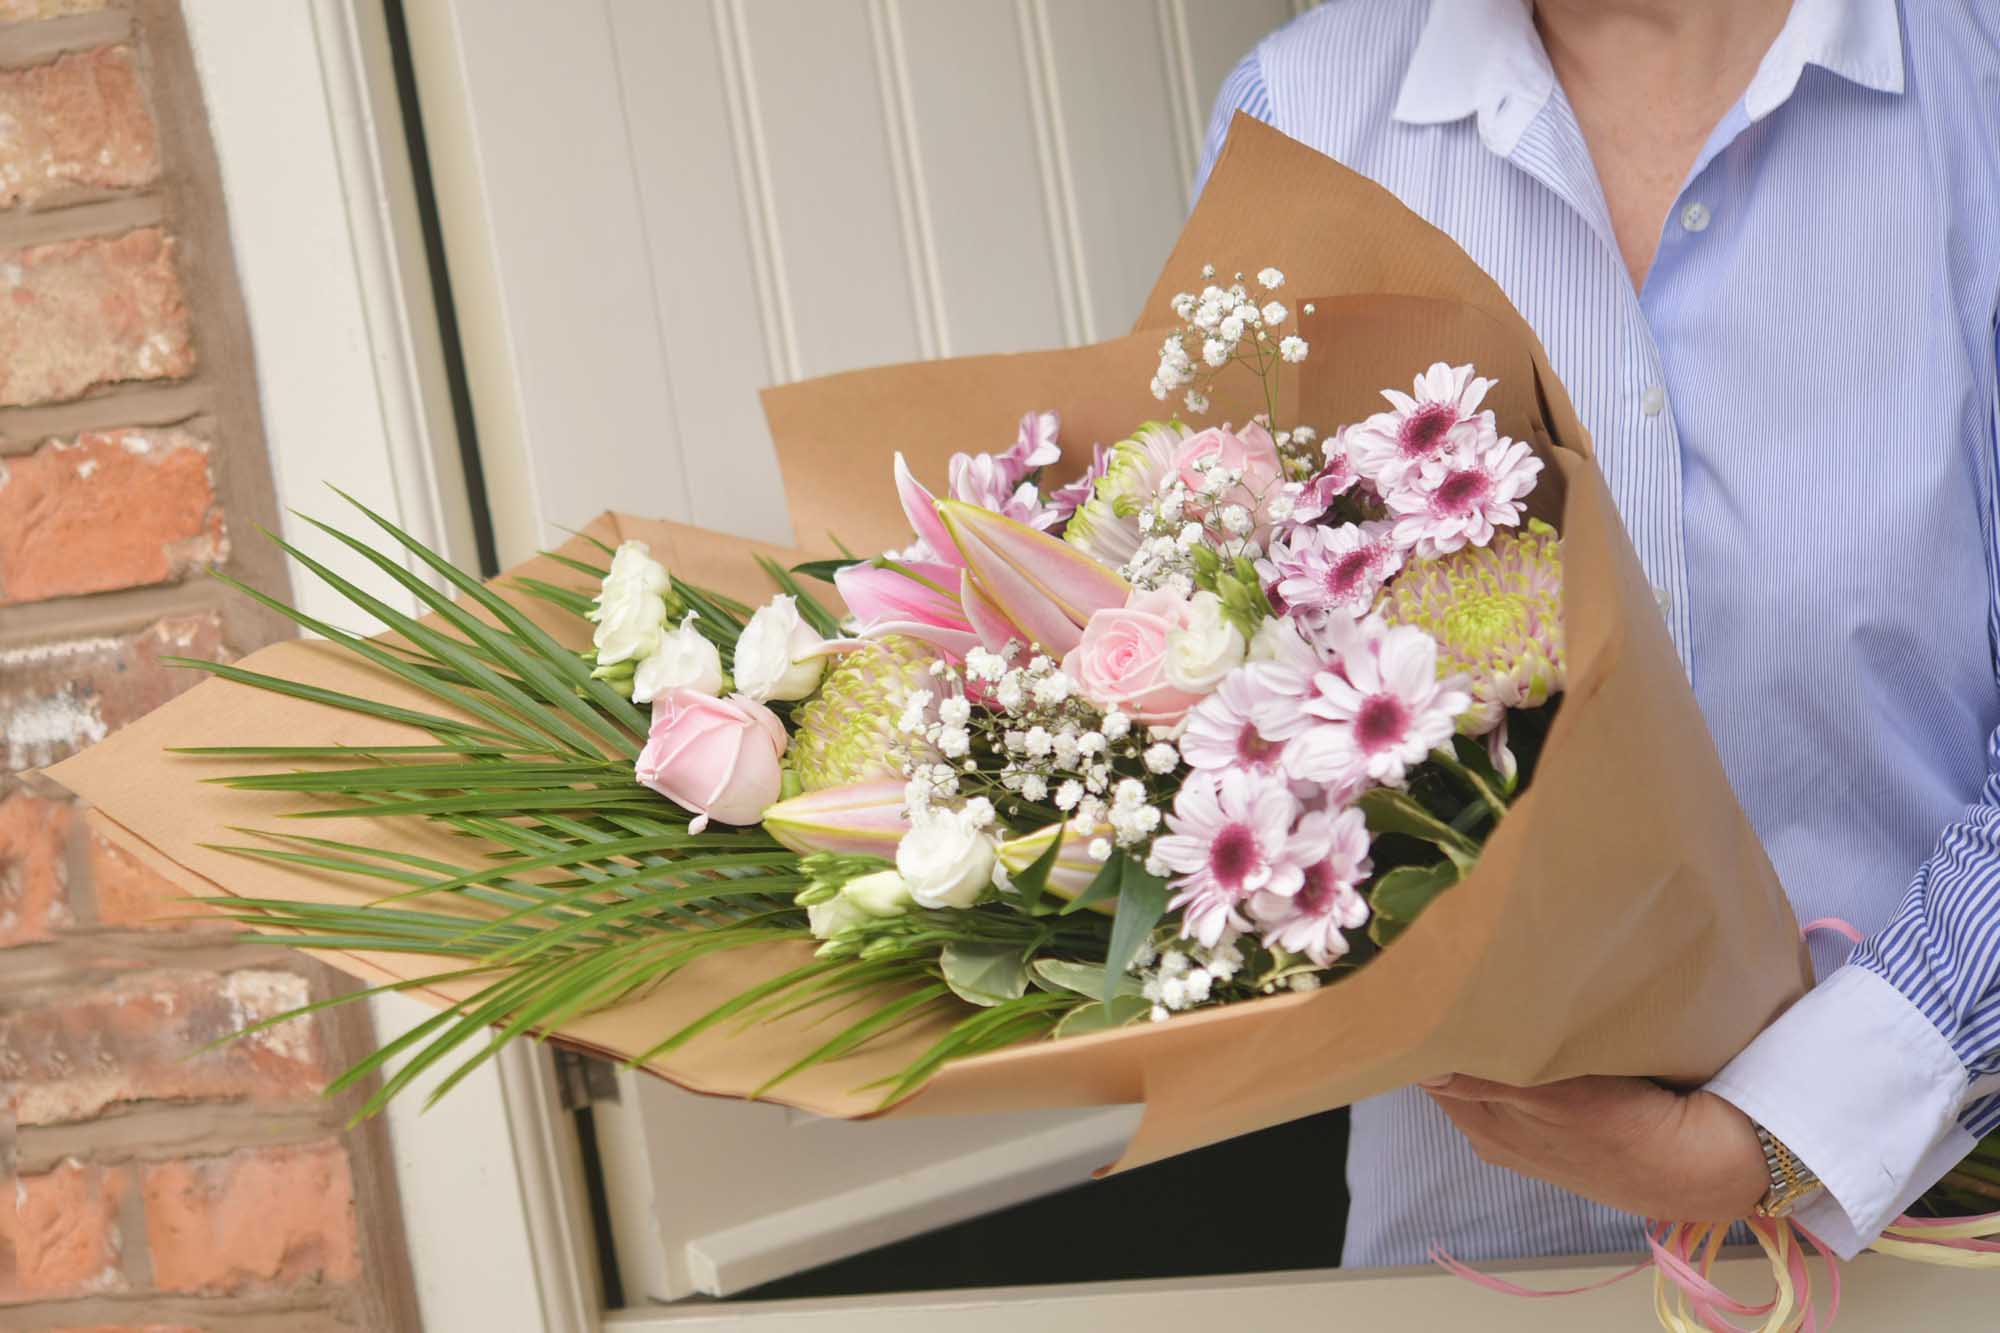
(1638, 445)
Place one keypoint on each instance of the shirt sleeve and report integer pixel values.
(1243, 90)
(1883, 1077)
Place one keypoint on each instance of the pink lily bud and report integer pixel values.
(860, 819)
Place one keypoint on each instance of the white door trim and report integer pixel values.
(303, 112)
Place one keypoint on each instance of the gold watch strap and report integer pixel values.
(1792, 1181)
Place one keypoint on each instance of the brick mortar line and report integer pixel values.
(101, 614)
(148, 405)
(113, 215)
(141, 1133)
(52, 968)
(328, 1308)
(42, 40)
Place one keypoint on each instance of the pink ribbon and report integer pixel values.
(1682, 1254)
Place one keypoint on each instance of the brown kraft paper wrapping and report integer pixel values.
(1623, 919)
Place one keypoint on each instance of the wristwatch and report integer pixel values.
(1792, 1181)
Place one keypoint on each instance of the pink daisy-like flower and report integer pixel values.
(1229, 837)
(1222, 731)
(1459, 497)
(1318, 492)
(1384, 710)
(1064, 500)
(1314, 920)
(1334, 569)
(1442, 407)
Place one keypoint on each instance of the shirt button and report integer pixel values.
(1665, 600)
(1653, 401)
(1695, 216)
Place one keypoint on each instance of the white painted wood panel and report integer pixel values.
(1120, 165)
(683, 116)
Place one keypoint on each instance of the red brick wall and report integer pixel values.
(155, 1184)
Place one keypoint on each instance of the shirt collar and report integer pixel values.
(1484, 57)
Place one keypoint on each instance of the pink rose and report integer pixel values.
(1250, 452)
(1121, 661)
(716, 757)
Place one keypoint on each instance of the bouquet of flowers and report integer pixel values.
(1243, 770)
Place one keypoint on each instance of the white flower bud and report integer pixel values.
(684, 660)
(776, 654)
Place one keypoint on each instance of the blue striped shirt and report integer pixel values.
(1796, 415)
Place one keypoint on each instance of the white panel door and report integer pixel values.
(653, 208)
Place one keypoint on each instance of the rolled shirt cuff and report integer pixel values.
(1860, 1085)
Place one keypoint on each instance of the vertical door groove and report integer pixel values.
(907, 167)
(686, 506)
(1038, 50)
(781, 339)
(1183, 91)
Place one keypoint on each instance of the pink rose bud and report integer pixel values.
(715, 757)
(1121, 660)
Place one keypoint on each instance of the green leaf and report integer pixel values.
(1402, 893)
(984, 974)
(1142, 901)
(1391, 811)
(1103, 1015)
(1384, 931)
(1032, 883)
(1082, 978)
(823, 570)
(1104, 886)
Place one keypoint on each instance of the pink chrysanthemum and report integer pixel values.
(1314, 921)
(1222, 731)
(1442, 407)
(1230, 837)
(1459, 497)
(1334, 569)
(1317, 493)
(1383, 711)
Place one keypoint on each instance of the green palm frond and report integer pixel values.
(576, 888)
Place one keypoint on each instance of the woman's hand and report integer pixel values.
(1625, 1142)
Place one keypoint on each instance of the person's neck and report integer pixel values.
(1684, 49)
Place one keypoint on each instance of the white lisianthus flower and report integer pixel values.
(883, 894)
(946, 860)
(777, 654)
(683, 660)
(1277, 640)
(628, 624)
(831, 917)
(629, 609)
(1206, 649)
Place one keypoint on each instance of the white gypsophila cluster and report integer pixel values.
(1185, 975)
(1178, 519)
(1057, 749)
(1221, 325)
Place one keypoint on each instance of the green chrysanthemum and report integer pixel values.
(848, 733)
(1496, 613)
(1106, 526)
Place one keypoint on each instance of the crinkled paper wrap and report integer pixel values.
(1623, 920)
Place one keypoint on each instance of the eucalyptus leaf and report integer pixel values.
(984, 974)
(1083, 978)
(1402, 893)
(1103, 1015)
(1391, 811)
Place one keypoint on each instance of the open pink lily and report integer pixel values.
(921, 508)
(860, 819)
(914, 600)
(1023, 584)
